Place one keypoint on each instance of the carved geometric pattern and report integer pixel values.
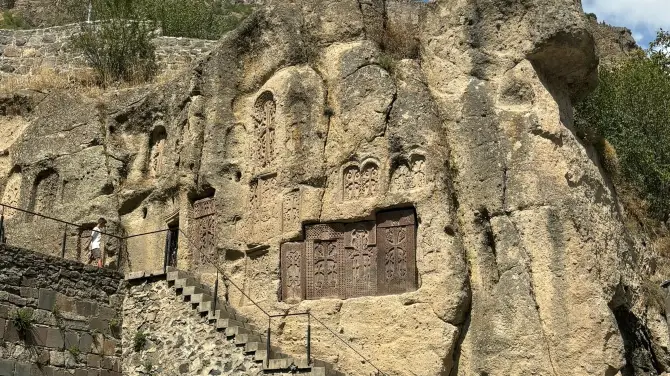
(324, 253)
(264, 118)
(202, 230)
(361, 259)
(409, 175)
(291, 211)
(360, 182)
(292, 262)
(397, 251)
(347, 260)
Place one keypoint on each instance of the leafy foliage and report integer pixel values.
(139, 341)
(630, 109)
(10, 20)
(203, 19)
(119, 48)
(23, 321)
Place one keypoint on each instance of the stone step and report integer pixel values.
(185, 282)
(254, 346)
(199, 298)
(232, 331)
(228, 323)
(192, 290)
(226, 314)
(173, 276)
(243, 339)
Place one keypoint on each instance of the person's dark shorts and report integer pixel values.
(95, 254)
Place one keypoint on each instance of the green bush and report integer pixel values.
(118, 47)
(23, 321)
(203, 19)
(13, 21)
(631, 110)
(139, 341)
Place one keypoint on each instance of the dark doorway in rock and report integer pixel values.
(172, 244)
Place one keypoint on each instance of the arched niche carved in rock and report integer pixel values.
(409, 174)
(360, 180)
(263, 149)
(44, 192)
(11, 195)
(157, 151)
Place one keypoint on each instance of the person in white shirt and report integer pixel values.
(94, 243)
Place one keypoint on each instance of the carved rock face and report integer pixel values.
(290, 151)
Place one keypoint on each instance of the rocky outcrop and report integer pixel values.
(307, 137)
(613, 43)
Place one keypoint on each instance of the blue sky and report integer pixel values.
(643, 17)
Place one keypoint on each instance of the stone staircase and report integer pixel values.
(240, 331)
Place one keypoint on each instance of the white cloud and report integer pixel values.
(644, 17)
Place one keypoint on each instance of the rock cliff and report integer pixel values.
(298, 139)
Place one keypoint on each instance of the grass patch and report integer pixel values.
(139, 341)
(23, 321)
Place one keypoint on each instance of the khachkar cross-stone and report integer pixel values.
(346, 260)
(202, 230)
(264, 115)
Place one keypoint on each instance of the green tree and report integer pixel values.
(631, 110)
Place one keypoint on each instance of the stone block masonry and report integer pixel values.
(76, 316)
(179, 341)
(24, 51)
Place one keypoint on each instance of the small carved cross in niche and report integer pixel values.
(396, 255)
(361, 255)
(325, 264)
(265, 118)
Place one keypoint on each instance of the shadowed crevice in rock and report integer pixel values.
(640, 357)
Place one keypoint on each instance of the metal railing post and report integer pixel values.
(63, 243)
(267, 343)
(309, 339)
(216, 291)
(2, 225)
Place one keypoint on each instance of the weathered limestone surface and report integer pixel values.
(523, 263)
(179, 342)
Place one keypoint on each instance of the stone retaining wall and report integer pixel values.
(21, 51)
(179, 341)
(76, 313)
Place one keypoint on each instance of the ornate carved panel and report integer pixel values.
(293, 272)
(324, 261)
(396, 263)
(265, 207)
(360, 261)
(202, 230)
(264, 118)
(291, 211)
(409, 174)
(347, 260)
(401, 178)
(360, 182)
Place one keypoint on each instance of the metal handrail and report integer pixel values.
(56, 220)
(270, 317)
(219, 272)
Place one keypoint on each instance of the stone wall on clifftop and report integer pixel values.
(76, 313)
(24, 51)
